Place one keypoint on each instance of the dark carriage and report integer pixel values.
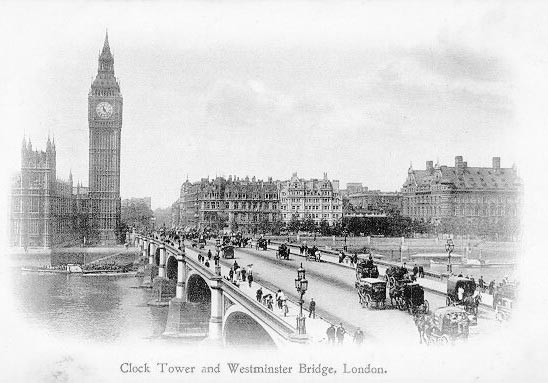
(313, 253)
(413, 298)
(366, 269)
(262, 244)
(470, 297)
(371, 292)
(283, 252)
(227, 251)
(395, 274)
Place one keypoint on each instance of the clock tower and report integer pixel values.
(105, 125)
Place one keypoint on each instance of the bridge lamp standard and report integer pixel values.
(449, 247)
(301, 284)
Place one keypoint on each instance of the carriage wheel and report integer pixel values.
(425, 307)
(448, 301)
(367, 300)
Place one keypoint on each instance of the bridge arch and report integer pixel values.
(197, 289)
(171, 267)
(242, 330)
(157, 256)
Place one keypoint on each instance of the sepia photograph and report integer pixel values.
(260, 190)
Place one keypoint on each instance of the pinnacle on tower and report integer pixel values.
(106, 47)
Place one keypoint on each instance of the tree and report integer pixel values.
(294, 224)
(308, 225)
(324, 227)
(136, 214)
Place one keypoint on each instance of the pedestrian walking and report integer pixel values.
(358, 336)
(312, 309)
(259, 294)
(231, 274)
(244, 274)
(207, 263)
(340, 334)
(331, 334)
(209, 254)
(250, 279)
(284, 307)
(421, 271)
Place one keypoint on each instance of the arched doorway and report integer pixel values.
(241, 330)
(171, 268)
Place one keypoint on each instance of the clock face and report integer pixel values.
(104, 110)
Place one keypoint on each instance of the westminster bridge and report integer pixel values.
(205, 303)
(202, 301)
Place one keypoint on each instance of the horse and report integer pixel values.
(472, 302)
(425, 327)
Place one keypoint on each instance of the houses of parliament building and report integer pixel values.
(48, 212)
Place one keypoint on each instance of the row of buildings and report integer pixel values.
(480, 197)
(245, 204)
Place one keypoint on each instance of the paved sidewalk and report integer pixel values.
(315, 328)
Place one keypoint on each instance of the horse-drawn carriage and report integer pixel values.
(262, 244)
(227, 251)
(448, 324)
(408, 295)
(371, 292)
(366, 269)
(413, 299)
(283, 251)
(313, 253)
(394, 274)
(503, 300)
(462, 292)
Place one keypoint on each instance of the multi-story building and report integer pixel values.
(374, 202)
(43, 208)
(316, 199)
(236, 204)
(481, 198)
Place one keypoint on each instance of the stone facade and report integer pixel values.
(479, 197)
(315, 199)
(374, 202)
(43, 208)
(236, 204)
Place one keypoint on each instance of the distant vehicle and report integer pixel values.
(371, 292)
(227, 251)
(365, 268)
(283, 252)
(449, 324)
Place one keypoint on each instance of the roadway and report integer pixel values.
(332, 287)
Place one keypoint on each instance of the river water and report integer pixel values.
(102, 308)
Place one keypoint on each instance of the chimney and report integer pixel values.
(429, 166)
(458, 164)
(496, 163)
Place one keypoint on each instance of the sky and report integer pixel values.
(359, 90)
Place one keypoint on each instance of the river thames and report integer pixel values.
(102, 308)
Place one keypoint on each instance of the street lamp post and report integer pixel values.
(449, 246)
(301, 284)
